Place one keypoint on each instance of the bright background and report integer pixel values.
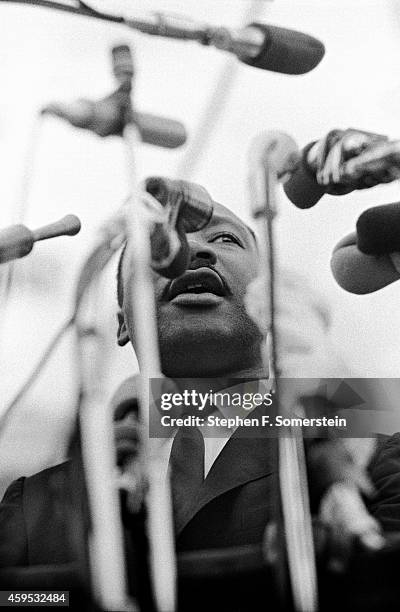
(46, 56)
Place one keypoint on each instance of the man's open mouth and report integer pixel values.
(197, 282)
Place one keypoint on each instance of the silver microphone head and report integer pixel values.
(276, 151)
(272, 156)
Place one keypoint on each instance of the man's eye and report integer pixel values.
(225, 237)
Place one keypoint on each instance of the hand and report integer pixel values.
(343, 512)
(326, 158)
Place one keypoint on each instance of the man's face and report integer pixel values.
(204, 329)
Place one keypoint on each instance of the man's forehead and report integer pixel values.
(222, 214)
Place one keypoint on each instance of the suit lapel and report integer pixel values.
(242, 460)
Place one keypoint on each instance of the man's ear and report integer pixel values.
(122, 334)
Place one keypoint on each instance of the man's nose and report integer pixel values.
(201, 252)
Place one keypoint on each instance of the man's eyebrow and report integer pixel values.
(217, 219)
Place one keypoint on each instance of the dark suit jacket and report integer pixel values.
(33, 528)
(385, 474)
(236, 501)
(232, 507)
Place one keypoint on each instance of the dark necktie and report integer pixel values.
(187, 469)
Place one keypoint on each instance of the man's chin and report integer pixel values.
(191, 329)
(205, 346)
(188, 329)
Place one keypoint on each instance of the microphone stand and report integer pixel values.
(106, 542)
(274, 155)
(155, 452)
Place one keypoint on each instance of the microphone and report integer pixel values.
(378, 230)
(259, 45)
(160, 131)
(341, 162)
(189, 208)
(100, 117)
(276, 150)
(270, 152)
(369, 259)
(17, 241)
(110, 115)
(359, 273)
(282, 50)
(266, 47)
(302, 187)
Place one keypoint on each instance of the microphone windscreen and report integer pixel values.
(167, 242)
(190, 208)
(160, 131)
(359, 273)
(301, 187)
(378, 230)
(180, 263)
(286, 51)
(192, 204)
(15, 242)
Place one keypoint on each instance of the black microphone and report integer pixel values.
(282, 50)
(302, 187)
(359, 273)
(378, 229)
(365, 159)
(368, 260)
(189, 209)
(266, 47)
(259, 45)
